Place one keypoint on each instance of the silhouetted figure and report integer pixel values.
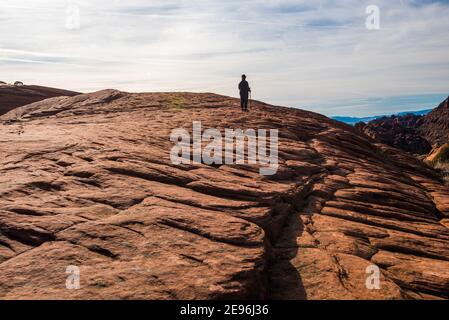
(244, 93)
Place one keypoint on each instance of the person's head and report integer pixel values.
(243, 77)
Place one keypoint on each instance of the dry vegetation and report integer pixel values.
(444, 169)
(440, 161)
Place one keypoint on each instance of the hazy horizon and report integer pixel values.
(315, 55)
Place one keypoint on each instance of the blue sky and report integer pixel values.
(316, 55)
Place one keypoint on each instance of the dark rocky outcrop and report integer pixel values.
(416, 134)
(19, 95)
(435, 127)
(401, 132)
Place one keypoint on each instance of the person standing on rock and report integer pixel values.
(244, 93)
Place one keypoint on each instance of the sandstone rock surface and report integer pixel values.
(87, 181)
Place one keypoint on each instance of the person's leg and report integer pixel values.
(242, 104)
(246, 105)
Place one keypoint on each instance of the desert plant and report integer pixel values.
(443, 168)
(176, 102)
(443, 155)
(440, 161)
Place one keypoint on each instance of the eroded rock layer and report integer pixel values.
(87, 181)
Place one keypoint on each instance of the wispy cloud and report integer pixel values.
(308, 54)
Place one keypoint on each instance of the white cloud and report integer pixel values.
(300, 53)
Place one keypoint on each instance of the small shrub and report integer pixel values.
(440, 162)
(176, 102)
(443, 155)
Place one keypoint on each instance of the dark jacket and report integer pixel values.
(244, 89)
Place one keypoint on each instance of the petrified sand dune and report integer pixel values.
(87, 181)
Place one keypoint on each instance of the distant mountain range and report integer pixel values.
(354, 120)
